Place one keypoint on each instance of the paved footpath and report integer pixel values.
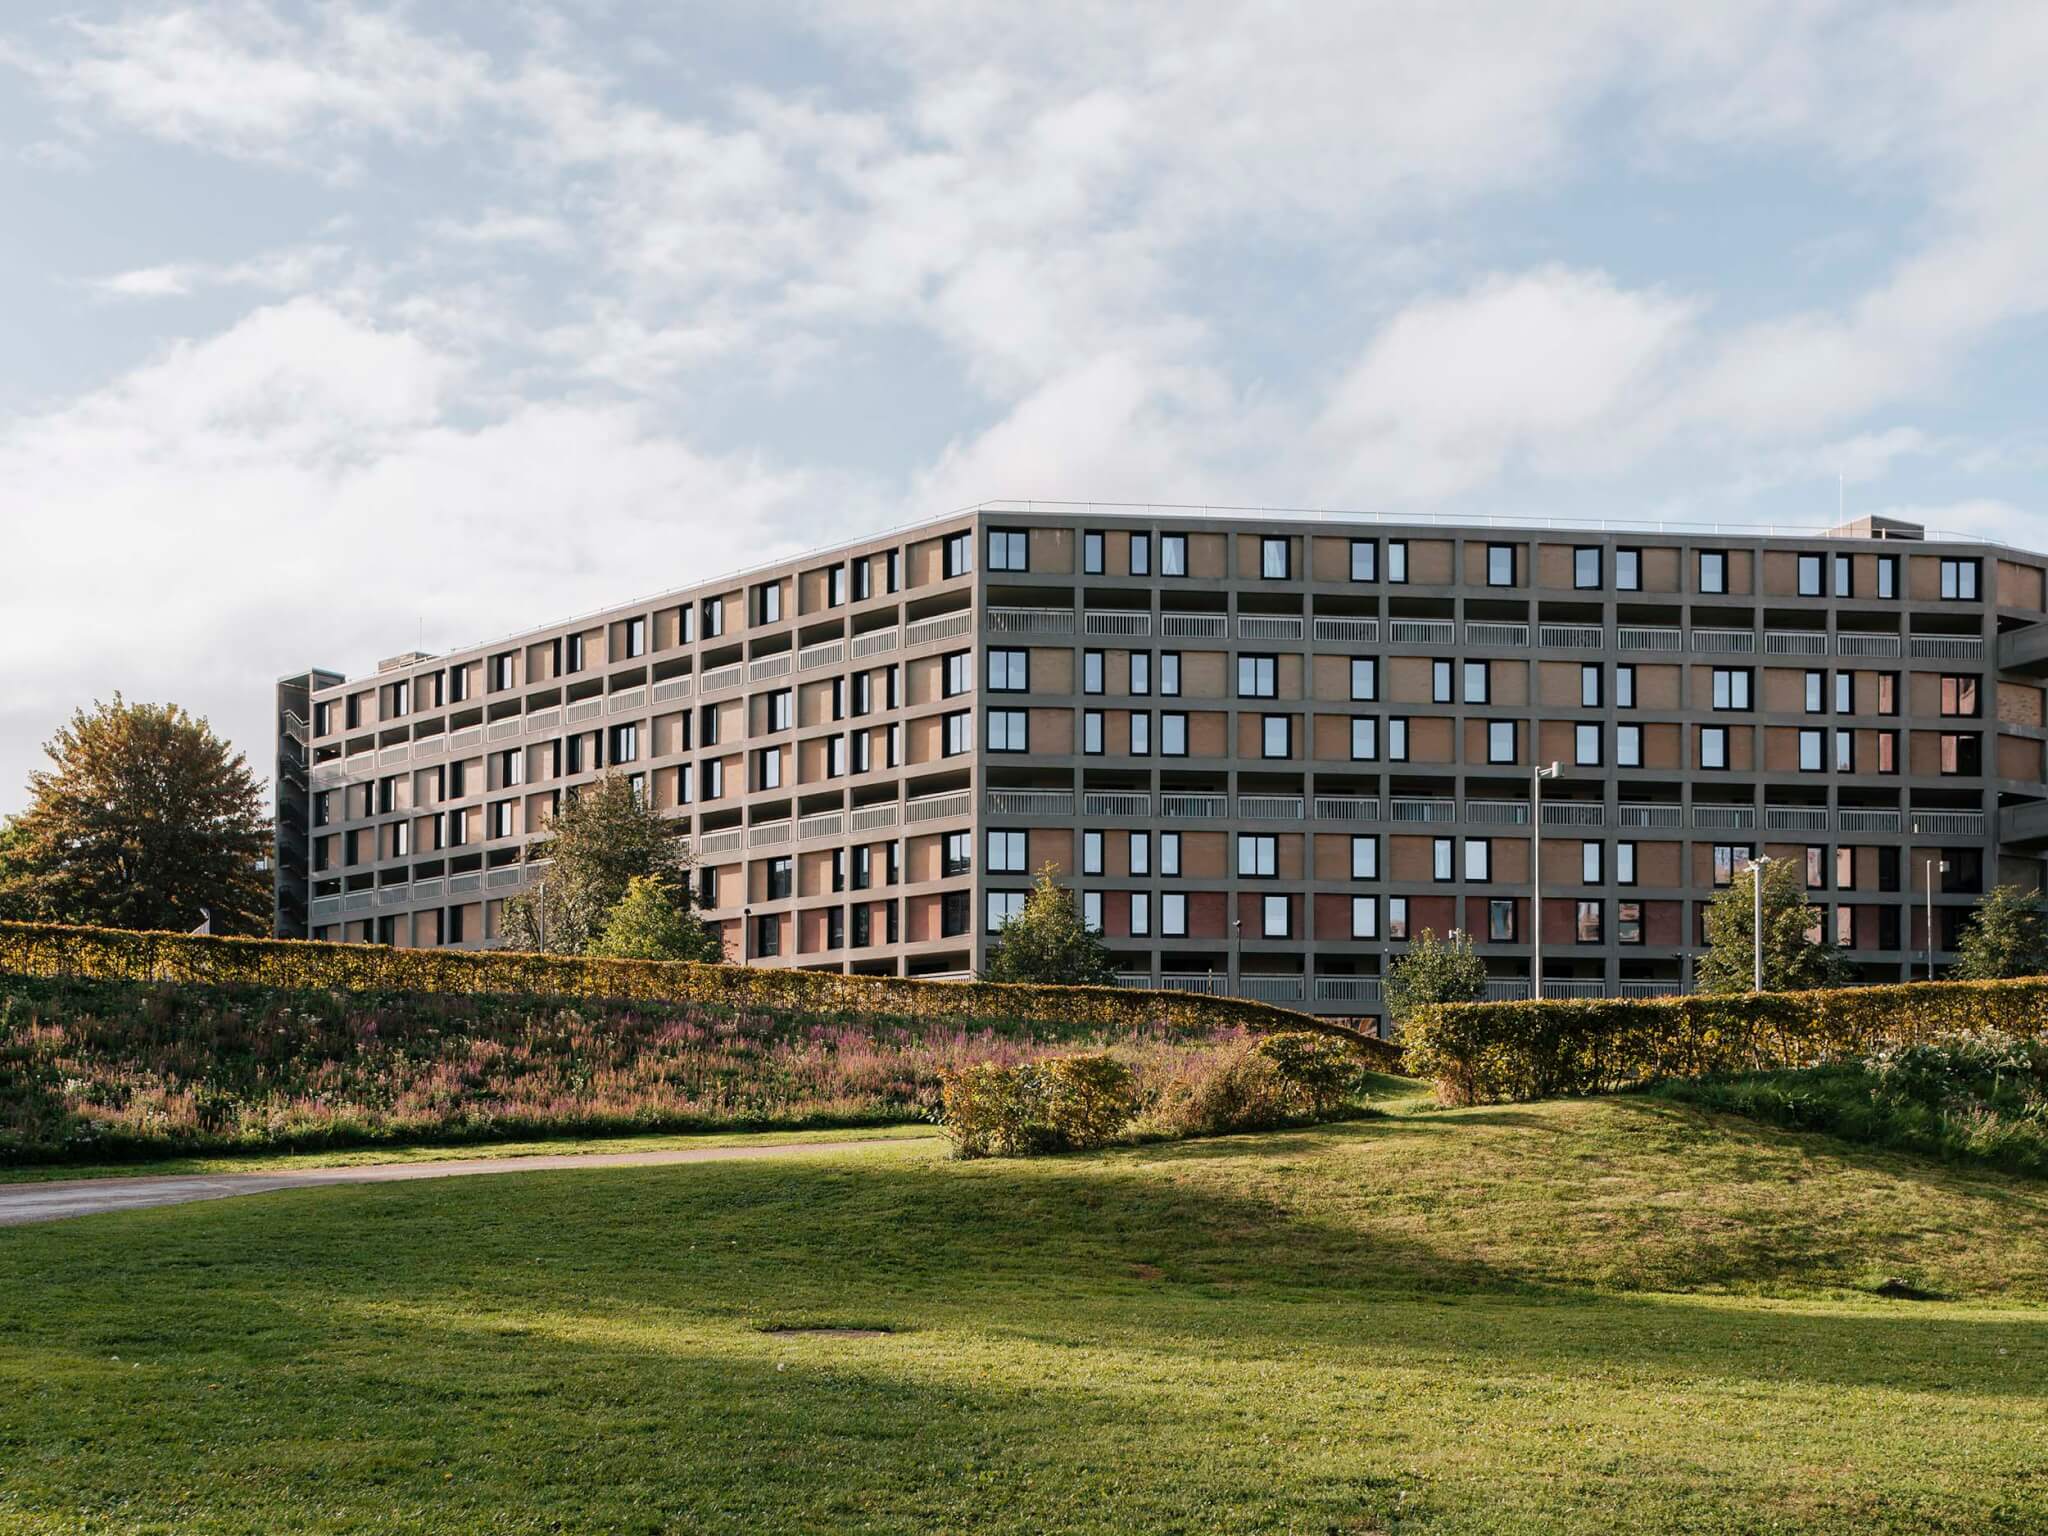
(55, 1199)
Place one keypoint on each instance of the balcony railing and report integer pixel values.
(1723, 642)
(1948, 647)
(1422, 631)
(764, 668)
(592, 709)
(938, 807)
(725, 840)
(1867, 820)
(1795, 642)
(1096, 802)
(945, 627)
(1796, 818)
(1031, 802)
(1672, 988)
(1348, 631)
(1723, 818)
(1215, 983)
(1411, 808)
(1504, 989)
(1270, 989)
(1567, 987)
(1347, 808)
(873, 818)
(1637, 637)
(1109, 622)
(1031, 621)
(826, 824)
(1628, 816)
(1194, 807)
(1269, 807)
(1853, 644)
(1574, 813)
(823, 654)
(768, 834)
(1576, 637)
(1947, 823)
(1513, 636)
(1194, 626)
(1497, 813)
(1259, 626)
(1348, 989)
(636, 698)
(721, 677)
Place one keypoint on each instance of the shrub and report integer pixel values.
(1059, 1104)
(1257, 1085)
(1487, 1052)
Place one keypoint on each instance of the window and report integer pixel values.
(1397, 560)
(1169, 674)
(1173, 915)
(1809, 576)
(1365, 678)
(1258, 856)
(956, 555)
(1845, 751)
(768, 935)
(1624, 863)
(1365, 739)
(1440, 861)
(1169, 854)
(1587, 927)
(781, 877)
(1845, 927)
(768, 602)
(1628, 746)
(1500, 565)
(1273, 559)
(1628, 922)
(864, 579)
(835, 587)
(1959, 581)
(1141, 554)
(1731, 687)
(1586, 746)
(1009, 549)
(1815, 692)
(1845, 869)
(1887, 693)
(1887, 751)
(1500, 741)
(1173, 735)
(511, 768)
(501, 676)
(1006, 852)
(1365, 858)
(1091, 553)
(1625, 685)
(1810, 750)
(1365, 560)
(1009, 671)
(1590, 858)
(1888, 576)
(1816, 868)
(1365, 917)
(714, 617)
(1589, 685)
(1091, 732)
(500, 819)
(958, 674)
(1278, 918)
(1960, 754)
(781, 710)
(1141, 733)
(1092, 672)
(1713, 746)
(625, 744)
(572, 653)
(1141, 853)
(1258, 677)
(1091, 853)
(768, 768)
(1959, 696)
(1397, 917)
(1009, 730)
(953, 913)
(958, 737)
(1478, 682)
(1397, 739)
(1845, 693)
(1141, 672)
(1478, 859)
(1440, 682)
(711, 779)
(1628, 570)
(1586, 568)
(1730, 860)
(1713, 571)
(1845, 576)
(1173, 554)
(1141, 914)
(1500, 921)
(1277, 736)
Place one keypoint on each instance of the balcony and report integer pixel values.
(1030, 621)
(1348, 989)
(1270, 989)
(1347, 808)
(1116, 625)
(1030, 802)
(1194, 626)
(1259, 626)
(1723, 642)
(2026, 823)
(1410, 808)
(1497, 813)
(1349, 631)
(826, 654)
(1795, 642)
(768, 834)
(1194, 807)
(1796, 818)
(1947, 823)
(1852, 643)
(946, 626)
(1497, 636)
(1948, 647)
(1637, 637)
(2024, 649)
(1867, 821)
(1648, 816)
(940, 807)
(720, 677)
(1422, 631)
(1574, 813)
(725, 840)
(1723, 818)
(1571, 637)
(1122, 803)
(829, 824)
(1269, 807)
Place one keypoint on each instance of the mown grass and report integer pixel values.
(1578, 1316)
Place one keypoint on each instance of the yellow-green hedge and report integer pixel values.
(1480, 1053)
(50, 949)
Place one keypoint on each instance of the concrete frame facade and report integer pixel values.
(1265, 748)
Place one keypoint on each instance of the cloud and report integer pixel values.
(283, 271)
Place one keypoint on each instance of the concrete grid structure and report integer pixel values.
(1265, 748)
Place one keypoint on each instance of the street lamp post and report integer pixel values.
(1536, 778)
(1930, 913)
(1756, 884)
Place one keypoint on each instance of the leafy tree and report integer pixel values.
(1793, 960)
(649, 923)
(2007, 937)
(1433, 972)
(605, 836)
(1048, 942)
(144, 819)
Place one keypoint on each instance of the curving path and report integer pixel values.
(56, 1199)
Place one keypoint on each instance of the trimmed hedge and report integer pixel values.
(51, 949)
(1482, 1053)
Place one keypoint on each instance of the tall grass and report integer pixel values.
(110, 1069)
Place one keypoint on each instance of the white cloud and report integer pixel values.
(283, 271)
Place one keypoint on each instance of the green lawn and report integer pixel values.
(1602, 1315)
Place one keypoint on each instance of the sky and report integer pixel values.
(337, 330)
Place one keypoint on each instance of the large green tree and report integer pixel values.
(1048, 942)
(145, 819)
(1793, 960)
(605, 837)
(651, 922)
(2006, 937)
(1434, 972)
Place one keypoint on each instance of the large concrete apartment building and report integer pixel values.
(1266, 749)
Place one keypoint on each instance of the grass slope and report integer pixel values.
(1577, 1316)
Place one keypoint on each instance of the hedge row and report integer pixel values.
(50, 949)
(1481, 1053)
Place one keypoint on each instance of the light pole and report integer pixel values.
(1756, 927)
(1536, 778)
(1930, 913)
